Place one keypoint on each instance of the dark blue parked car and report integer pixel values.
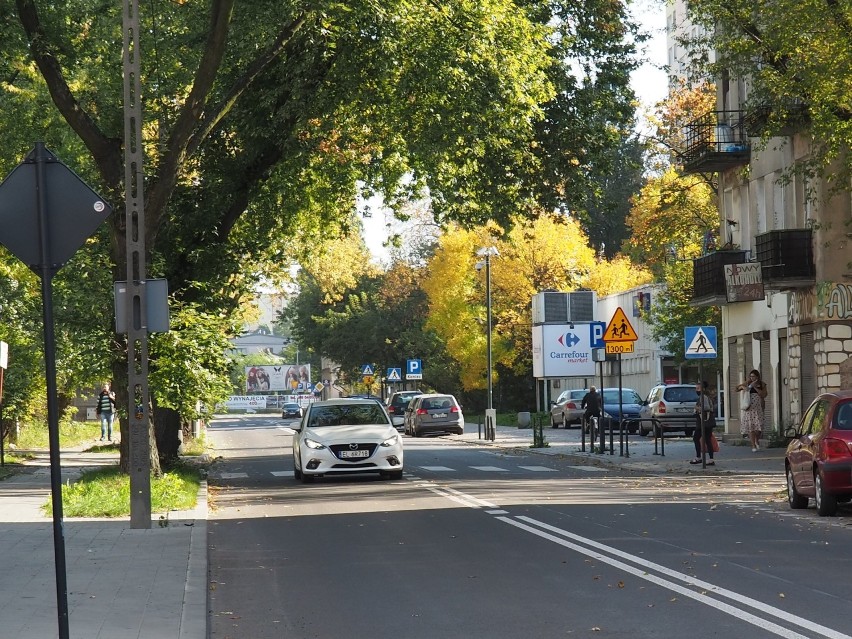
(631, 401)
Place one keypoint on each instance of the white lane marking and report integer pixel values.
(686, 592)
(497, 512)
(539, 469)
(455, 498)
(282, 473)
(738, 613)
(233, 475)
(688, 579)
(438, 469)
(490, 469)
(458, 496)
(591, 469)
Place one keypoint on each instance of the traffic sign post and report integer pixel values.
(619, 337)
(413, 369)
(700, 343)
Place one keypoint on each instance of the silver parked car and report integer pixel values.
(433, 414)
(669, 407)
(566, 409)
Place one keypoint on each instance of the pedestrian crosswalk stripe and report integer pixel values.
(591, 469)
(282, 473)
(438, 468)
(539, 469)
(490, 469)
(234, 475)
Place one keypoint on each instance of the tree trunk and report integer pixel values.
(167, 424)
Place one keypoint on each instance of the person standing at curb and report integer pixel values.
(106, 411)
(703, 420)
(751, 418)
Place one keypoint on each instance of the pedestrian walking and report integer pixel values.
(705, 422)
(751, 414)
(106, 411)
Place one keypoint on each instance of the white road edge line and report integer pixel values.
(748, 601)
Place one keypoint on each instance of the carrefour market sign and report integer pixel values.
(563, 350)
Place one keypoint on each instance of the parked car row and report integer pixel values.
(668, 407)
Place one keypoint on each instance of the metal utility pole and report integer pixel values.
(139, 445)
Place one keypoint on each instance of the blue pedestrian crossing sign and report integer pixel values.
(394, 375)
(413, 369)
(367, 370)
(699, 342)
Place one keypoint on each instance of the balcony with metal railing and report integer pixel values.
(708, 277)
(716, 141)
(787, 258)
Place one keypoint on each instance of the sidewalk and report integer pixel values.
(674, 459)
(122, 583)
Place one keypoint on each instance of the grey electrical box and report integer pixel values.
(156, 303)
(562, 308)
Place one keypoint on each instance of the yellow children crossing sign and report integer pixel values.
(619, 328)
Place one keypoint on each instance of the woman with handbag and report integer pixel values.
(753, 393)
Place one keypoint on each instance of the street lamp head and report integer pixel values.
(488, 251)
(479, 265)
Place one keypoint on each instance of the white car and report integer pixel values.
(343, 436)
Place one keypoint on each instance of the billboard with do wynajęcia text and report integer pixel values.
(277, 377)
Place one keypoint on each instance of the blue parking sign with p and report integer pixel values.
(413, 369)
(596, 333)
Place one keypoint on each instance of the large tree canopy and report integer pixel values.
(264, 120)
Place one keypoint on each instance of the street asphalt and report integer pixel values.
(125, 583)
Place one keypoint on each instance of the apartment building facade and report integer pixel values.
(783, 271)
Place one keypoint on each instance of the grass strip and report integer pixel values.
(105, 492)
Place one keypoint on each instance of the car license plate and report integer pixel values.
(684, 410)
(349, 454)
(439, 415)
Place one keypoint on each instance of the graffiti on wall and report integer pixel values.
(828, 301)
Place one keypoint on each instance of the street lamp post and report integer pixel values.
(486, 253)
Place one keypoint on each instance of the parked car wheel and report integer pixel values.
(826, 504)
(554, 423)
(297, 474)
(565, 423)
(795, 500)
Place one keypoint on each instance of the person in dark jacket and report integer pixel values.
(592, 403)
(105, 411)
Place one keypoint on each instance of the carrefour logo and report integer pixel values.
(568, 340)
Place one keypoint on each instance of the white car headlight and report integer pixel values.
(310, 443)
(390, 441)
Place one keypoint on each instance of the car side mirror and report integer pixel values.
(791, 433)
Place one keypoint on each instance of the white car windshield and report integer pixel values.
(346, 415)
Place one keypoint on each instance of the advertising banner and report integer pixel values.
(563, 350)
(277, 377)
(744, 282)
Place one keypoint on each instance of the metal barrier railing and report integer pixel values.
(658, 430)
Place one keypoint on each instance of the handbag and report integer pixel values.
(712, 441)
(745, 399)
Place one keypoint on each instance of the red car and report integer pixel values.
(819, 456)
